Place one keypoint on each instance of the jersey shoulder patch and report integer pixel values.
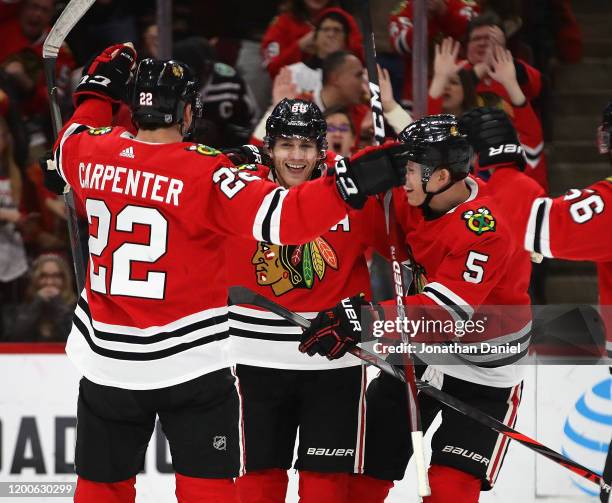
(203, 150)
(98, 131)
(224, 70)
(479, 220)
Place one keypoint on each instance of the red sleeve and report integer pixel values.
(280, 43)
(374, 228)
(575, 226)
(244, 205)
(529, 78)
(434, 105)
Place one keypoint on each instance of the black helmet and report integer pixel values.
(300, 118)
(436, 142)
(161, 91)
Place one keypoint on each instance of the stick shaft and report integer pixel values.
(241, 295)
(69, 17)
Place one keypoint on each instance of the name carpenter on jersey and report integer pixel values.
(131, 182)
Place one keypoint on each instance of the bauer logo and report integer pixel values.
(586, 432)
(459, 451)
(321, 451)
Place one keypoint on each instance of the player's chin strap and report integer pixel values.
(428, 213)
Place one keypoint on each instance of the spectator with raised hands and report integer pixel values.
(290, 36)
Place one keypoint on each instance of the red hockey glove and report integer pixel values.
(493, 137)
(107, 77)
(370, 172)
(335, 331)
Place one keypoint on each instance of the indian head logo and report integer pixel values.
(284, 268)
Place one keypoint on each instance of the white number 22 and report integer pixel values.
(153, 286)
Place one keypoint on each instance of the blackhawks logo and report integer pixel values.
(284, 268)
(203, 150)
(479, 221)
(97, 131)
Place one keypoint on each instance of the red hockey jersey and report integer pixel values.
(154, 310)
(514, 192)
(465, 254)
(577, 226)
(304, 278)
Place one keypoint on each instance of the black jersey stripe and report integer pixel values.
(265, 336)
(154, 355)
(462, 313)
(539, 221)
(266, 224)
(151, 339)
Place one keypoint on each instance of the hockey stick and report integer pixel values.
(241, 295)
(414, 415)
(74, 11)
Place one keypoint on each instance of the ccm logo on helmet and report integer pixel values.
(451, 449)
(351, 314)
(320, 451)
(511, 148)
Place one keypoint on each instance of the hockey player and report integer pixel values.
(459, 238)
(282, 389)
(150, 331)
(576, 226)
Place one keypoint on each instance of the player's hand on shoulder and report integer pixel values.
(492, 135)
(107, 77)
(247, 154)
(371, 171)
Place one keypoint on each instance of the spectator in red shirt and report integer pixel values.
(290, 36)
(21, 54)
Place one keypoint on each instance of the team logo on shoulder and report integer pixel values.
(284, 268)
(479, 221)
(203, 150)
(97, 131)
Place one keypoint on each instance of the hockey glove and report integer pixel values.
(335, 331)
(370, 172)
(51, 177)
(493, 137)
(108, 76)
(247, 154)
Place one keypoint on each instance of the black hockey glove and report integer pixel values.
(247, 154)
(370, 172)
(51, 177)
(335, 331)
(492, 136)
(108, 76)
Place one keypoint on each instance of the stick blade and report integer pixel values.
(68, 18)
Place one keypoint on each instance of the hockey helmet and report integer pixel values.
(436, 142)
(161, 91)
(297, 118)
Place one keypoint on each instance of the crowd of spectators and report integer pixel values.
(481, 52)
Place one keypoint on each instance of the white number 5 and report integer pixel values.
(475, 271)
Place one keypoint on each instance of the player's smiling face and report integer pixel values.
(414, 184)
(294, 160)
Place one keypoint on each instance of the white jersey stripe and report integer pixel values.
(59, 151)
(262, 212)
(275, 223)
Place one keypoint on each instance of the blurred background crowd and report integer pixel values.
(542, 61)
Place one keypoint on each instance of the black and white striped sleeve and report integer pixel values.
(458, 308)
(537, 234)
